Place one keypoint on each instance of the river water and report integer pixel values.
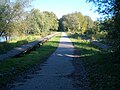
(2, 39)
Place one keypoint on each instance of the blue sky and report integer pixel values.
(62, 7)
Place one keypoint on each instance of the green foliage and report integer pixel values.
(51, 21)
(102, 69)
(98, 31)
(17, 41)
(111, 9)
(9, 14)
(85, 46)
(15, 66)
(15, 21)
(76, 22)
(103, 73)
(37, 22)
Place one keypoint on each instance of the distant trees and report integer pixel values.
(41, 22)
(51, 21)
(14, 20)
(76, 22)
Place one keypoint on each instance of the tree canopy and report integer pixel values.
(15, 20)
(111, 10)
(76, 22)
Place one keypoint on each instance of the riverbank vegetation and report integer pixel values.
(106, 30)
(11, 68)
(102, 68)
(23, 26)
(15, 20)
(16, 42)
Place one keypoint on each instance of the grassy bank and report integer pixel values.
(102, 69)
(18, 41)
(11, 68)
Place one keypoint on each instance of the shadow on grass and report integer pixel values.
(6, 46)
(11, 68)
(75, 36)
(102, 68)
(86, 49)
(102, 71)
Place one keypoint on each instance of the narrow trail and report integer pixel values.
(55, 73)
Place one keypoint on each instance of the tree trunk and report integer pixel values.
(6, 38)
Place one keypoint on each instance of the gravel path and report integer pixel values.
(56, 73)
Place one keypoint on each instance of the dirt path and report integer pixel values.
(57, 73)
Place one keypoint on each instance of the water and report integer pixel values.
(2, 39)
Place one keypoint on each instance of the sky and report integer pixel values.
(63, 7)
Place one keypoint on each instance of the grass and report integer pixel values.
(18, 41)
(86, 48)
(102, 69)
(15, 66)
(103, 72)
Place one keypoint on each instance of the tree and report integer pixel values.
(75, 22)
(41, 22)
(10, 13)
(51, 20)
(111, 9)
(35, 22)
(70, 22)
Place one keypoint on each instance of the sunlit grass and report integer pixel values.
(17, 41)
(86, 48)
(15, 66)
(28, 38)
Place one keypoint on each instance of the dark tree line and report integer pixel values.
(111, 11)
